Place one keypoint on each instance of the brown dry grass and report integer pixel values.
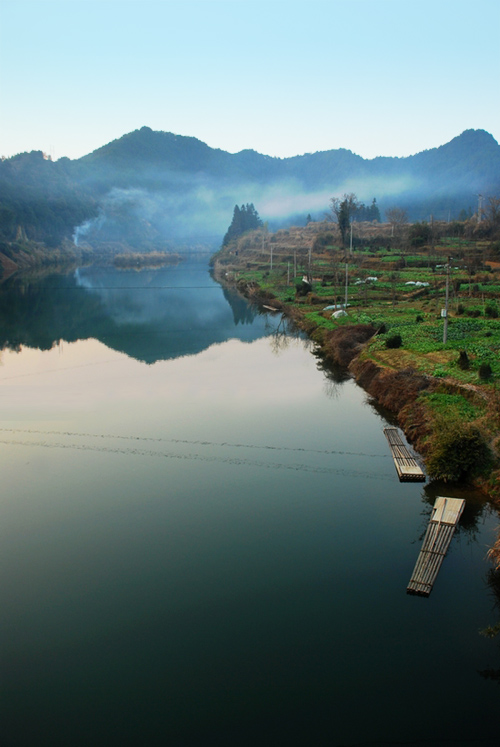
(399, 358)
(494, 553)
(345, 343)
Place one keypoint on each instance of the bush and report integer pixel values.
(458, 451)
(463, 360)
(303, 289)
(491, 312)
(322, 240)
(344, 343)
(420, 234)
(460, 309)
(419, 318)
(394, 341)
(485, 371)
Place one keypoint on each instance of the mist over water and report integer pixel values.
(204, 541)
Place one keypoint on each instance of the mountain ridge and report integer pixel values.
(167, 187)
(468, 135)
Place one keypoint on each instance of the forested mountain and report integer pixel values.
(149, 189)
(42, 200)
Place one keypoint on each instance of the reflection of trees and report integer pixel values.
(243, 313)
(43, 310)
(334, 374)
(280, 338)
(493, 581)
(476, 507)
(474, 510)
(331, 388)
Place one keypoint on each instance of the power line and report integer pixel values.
(236, 461)
(221, 444)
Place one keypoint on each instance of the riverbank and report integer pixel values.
(31, 256)
(26, 256)
(448, 413)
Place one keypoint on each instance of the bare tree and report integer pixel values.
(492, 210)
(398, 218)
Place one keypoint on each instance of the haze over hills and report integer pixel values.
(151, 189)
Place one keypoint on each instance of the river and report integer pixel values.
(203, 538)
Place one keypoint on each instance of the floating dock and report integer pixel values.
(444, 519)
(407, 466)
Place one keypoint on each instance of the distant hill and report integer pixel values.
(149, 189)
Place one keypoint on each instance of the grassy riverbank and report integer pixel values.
(442, 385)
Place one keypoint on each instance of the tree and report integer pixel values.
(373, 211)
(369, 213)
(420, 234)
(492, 211)
(343, 210)
(245, 218)
(398, 218)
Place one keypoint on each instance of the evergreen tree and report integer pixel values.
(373, 211)
(245, 218)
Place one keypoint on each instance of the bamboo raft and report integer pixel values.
(444, 519)
(406, 465)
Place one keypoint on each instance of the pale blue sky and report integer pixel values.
(284, 77)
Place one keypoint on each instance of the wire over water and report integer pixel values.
(222, 444)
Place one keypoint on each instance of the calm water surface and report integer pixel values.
(203, 539)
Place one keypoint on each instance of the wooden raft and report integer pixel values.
(407, 466)
(444, 519)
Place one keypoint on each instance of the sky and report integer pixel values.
(282, 77)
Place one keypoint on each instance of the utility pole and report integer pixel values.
(445, 327)
(271, 256)
(346, 284)
(350, 244)
(479, 207)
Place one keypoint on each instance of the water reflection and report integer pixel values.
(149, 315)
(476, 508)
(209, 550)
(493, 630)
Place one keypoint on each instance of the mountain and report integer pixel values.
(150, 189)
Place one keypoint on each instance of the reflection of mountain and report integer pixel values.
(150, 315)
